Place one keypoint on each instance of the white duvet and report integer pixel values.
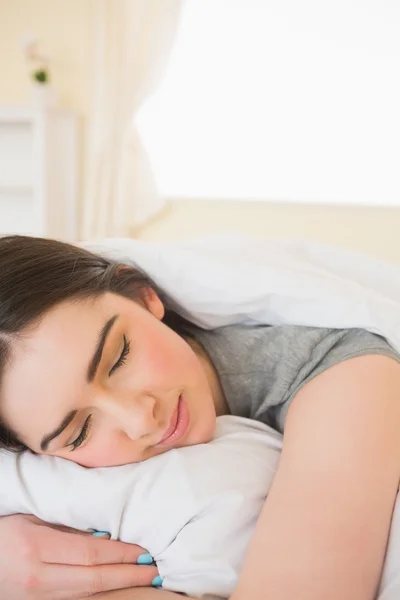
(232, 278)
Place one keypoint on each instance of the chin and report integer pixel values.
(207, 431)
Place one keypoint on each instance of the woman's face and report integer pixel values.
(104, 382)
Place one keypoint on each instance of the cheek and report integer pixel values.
(166, 358)
(107, 451)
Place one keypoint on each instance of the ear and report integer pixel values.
(149, 298)
(152, 302)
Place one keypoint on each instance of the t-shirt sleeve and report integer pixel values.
(350, 344)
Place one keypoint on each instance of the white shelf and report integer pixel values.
(26, 114)
(15, 189)
(38, 171)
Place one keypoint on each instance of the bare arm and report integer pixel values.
(141, 594)
(324, 527)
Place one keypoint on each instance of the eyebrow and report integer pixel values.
(95, 361)
(63, 425)
(90, 375)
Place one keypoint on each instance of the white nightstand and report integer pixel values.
(38, 172)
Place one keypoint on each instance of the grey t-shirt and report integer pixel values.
(262, 367)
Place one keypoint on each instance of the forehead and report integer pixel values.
(70, 325)
(49, 363)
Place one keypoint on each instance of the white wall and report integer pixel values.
(66, 27)
(374, 231)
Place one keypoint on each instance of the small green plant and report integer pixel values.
(36, 60)
(41, 76)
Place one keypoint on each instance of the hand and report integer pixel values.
(44, 562)
(146, 594)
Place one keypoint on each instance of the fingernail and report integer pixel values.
(157, 581)
(145, 559)
(101, 533)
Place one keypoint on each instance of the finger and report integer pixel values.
(40, 523)
(86, 550)
(66, 529)
(76, 582)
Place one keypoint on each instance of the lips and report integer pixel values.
(178, 424)
(173, 423)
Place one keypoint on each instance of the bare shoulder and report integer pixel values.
(359, 394)
(350, 410)
(326, 520)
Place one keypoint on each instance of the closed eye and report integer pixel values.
(83, 434)
(86, 427)
(125, 351)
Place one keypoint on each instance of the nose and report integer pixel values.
(134, 415)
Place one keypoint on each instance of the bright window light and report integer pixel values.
(280, 100)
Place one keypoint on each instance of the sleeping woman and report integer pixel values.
(96, 368)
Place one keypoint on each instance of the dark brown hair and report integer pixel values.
(37, 274)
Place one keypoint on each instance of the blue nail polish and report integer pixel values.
(100, 533)
(157, 581)
(145, 559)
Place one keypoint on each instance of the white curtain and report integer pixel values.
(133, 42)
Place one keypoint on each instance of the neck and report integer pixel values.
(220, 403)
